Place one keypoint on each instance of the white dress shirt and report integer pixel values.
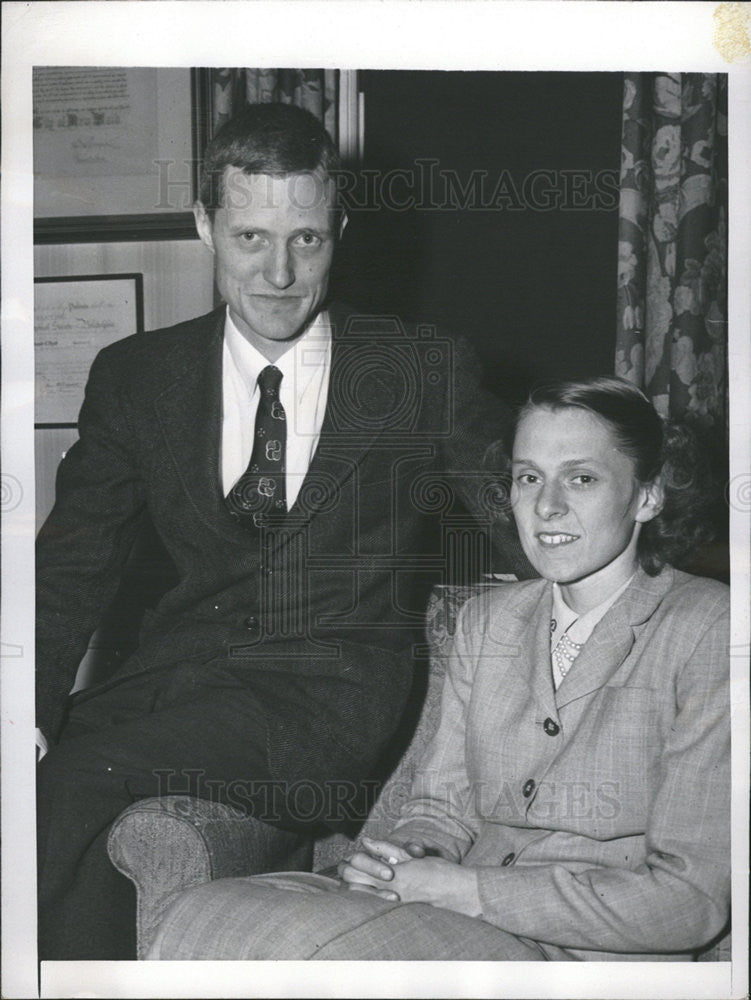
(578, 627)
(305, 369)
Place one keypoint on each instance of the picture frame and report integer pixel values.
(74, 318)
(187, 117)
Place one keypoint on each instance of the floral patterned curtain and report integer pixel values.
(312, 89)
(672, 270)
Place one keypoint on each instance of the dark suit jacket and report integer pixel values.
(320, 612)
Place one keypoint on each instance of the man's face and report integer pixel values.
(273, 242)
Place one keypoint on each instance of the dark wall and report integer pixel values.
(510, 235)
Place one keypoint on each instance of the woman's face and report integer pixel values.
(576, 500)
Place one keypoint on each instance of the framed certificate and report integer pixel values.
(115, 152)
(74, 318)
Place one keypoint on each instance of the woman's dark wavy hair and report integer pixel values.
(668, 449)
(271, 138)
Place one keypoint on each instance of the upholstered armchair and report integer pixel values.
(165, 845)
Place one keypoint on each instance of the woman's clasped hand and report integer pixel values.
(410, 875)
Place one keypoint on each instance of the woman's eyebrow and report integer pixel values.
(568, 464)
(571, 462)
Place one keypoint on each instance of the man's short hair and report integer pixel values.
(266, 139)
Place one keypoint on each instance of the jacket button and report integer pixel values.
(508, 859)
(551, 727)
(529, 787)
(252, 624)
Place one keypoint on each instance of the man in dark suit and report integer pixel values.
(309, 471)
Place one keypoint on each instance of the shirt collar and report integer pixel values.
(297, 365)
(579, 627)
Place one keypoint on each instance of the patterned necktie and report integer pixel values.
(261, 488)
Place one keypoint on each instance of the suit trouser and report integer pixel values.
(302, 916)
(179, 732)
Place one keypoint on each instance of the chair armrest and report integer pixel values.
(165, 845)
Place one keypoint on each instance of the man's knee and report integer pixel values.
(59, 765)
(78, 777)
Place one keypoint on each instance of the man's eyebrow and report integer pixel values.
(246, 227)
(250, 228)
(321, 231)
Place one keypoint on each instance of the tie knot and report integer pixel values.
(269, 380)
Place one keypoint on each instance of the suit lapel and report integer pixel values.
(529, 632)
(359, 398)
(189, 412)
(614, 636)
(603, 653)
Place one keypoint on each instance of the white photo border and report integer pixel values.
(574, 35)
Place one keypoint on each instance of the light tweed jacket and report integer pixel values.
(598, 815)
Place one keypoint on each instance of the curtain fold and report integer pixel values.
(316, 90)
(671, 337)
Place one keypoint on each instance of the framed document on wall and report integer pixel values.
(74, 318)
(115, 154)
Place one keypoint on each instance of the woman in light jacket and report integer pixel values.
(575, 800)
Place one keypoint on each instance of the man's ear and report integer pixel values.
(204, 225)
(652, 500)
